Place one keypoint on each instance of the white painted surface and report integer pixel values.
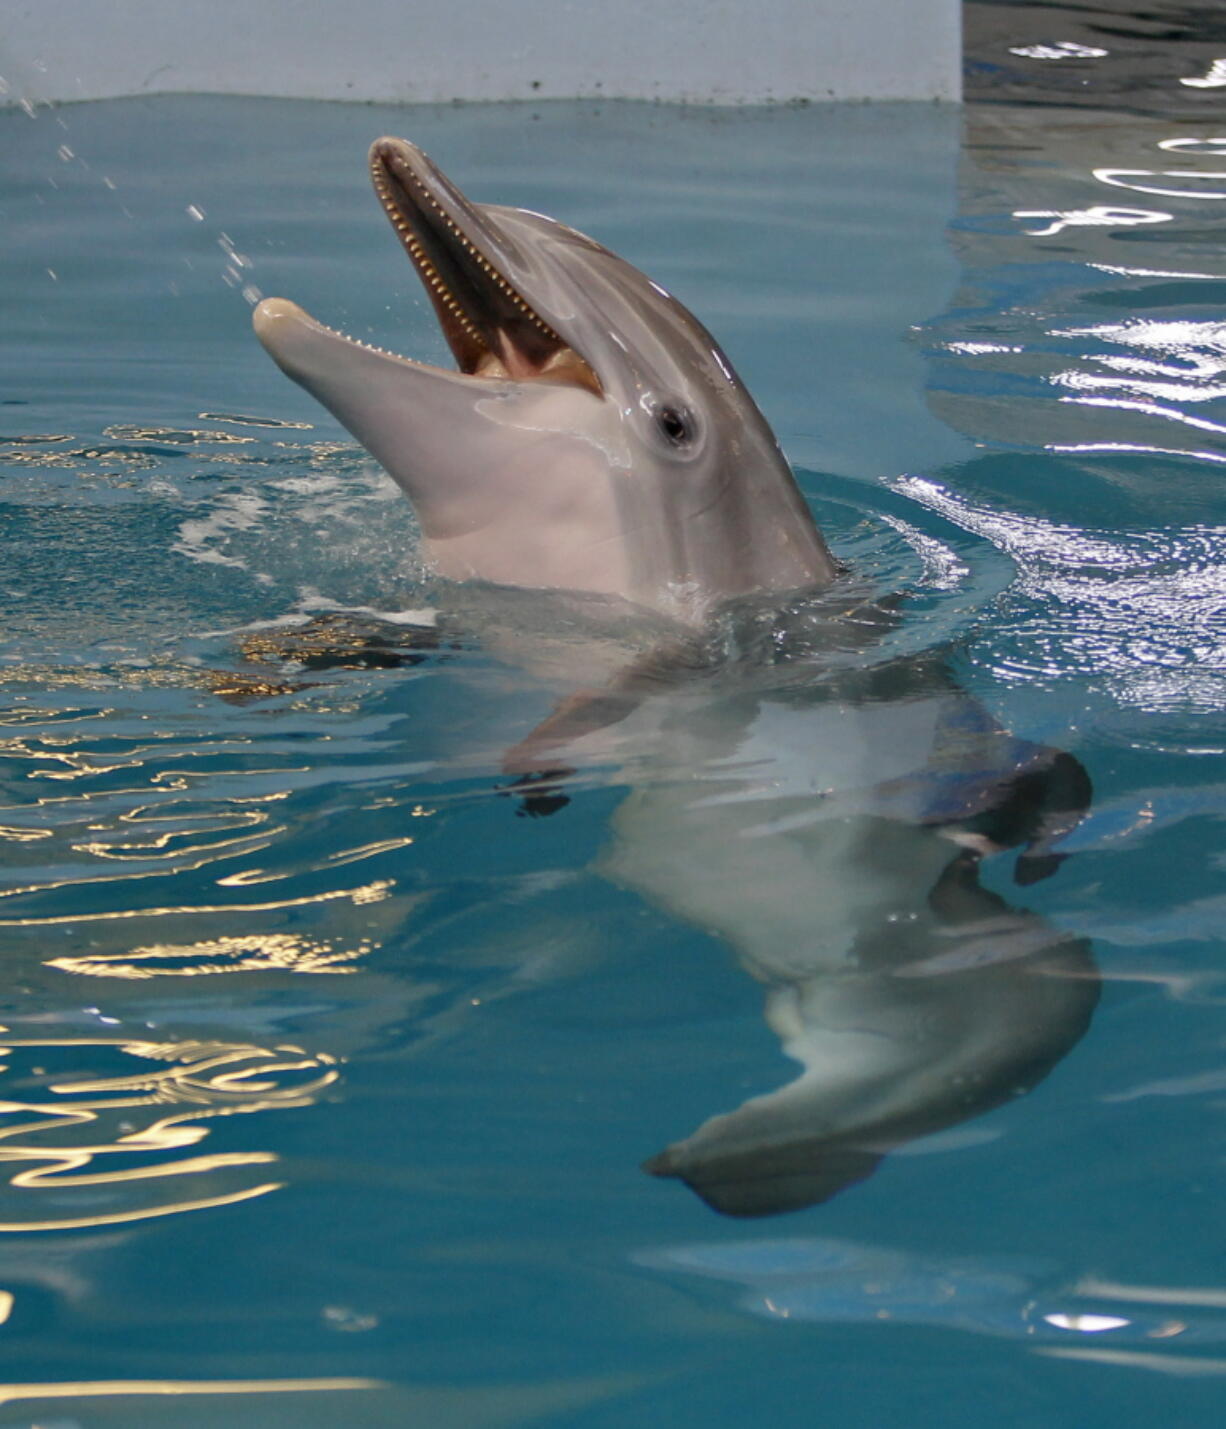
(701, 51)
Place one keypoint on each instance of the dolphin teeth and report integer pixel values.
(403, 193)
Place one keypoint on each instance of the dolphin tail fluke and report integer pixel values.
(757, 1184)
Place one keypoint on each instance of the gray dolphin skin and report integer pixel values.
(593, 438)
(797, 785)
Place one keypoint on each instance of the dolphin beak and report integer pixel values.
(305, 348)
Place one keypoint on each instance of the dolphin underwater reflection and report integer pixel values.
(819, 805)
(594, 436)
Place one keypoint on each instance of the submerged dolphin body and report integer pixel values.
(594, 438)
(832, 834)
(823, 807)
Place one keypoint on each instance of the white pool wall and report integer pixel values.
(692, 51)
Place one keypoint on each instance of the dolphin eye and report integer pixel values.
(676, 424)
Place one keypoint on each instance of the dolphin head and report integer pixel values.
(593, 437)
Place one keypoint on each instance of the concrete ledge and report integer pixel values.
(695, 51)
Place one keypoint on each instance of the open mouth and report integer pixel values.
(491, 328)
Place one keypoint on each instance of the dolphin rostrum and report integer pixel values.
(588, 404)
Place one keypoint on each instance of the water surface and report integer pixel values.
(328, 1072)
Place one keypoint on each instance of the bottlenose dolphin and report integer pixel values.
(594, 438)
(820, 804)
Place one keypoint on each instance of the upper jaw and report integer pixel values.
(491, 327)
(494, 332)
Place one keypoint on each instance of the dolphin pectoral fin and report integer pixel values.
(534, 760)
(574, 717)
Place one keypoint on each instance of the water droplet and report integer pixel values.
(193, 212)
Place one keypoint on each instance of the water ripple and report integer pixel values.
(108, 1147)
(1142, 612)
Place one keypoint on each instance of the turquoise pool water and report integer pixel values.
(328, 1076)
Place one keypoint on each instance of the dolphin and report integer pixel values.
(594, 437)
(818, 803)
